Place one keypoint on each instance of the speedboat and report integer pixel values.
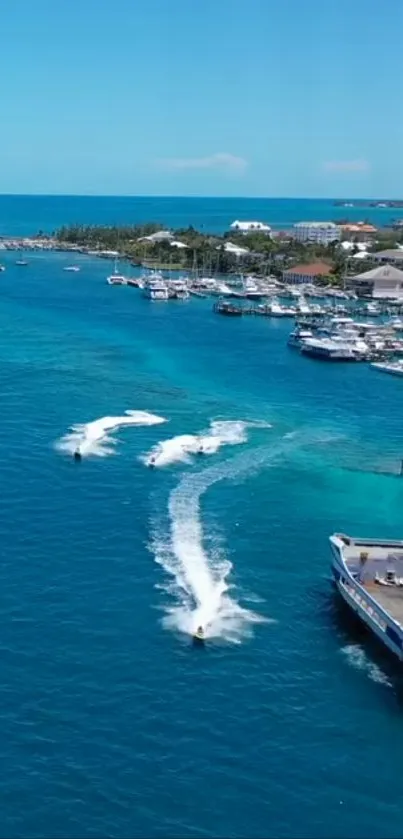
(72, 268)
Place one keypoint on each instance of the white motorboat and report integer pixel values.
(178, 289)
(251, 289)
(329, 349)
(116, 278)
(395, 368)
(279, 311)
(155, 287)
(73, 269)
(298, 335)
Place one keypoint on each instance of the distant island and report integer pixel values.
(396, 205)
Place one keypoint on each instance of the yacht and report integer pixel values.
(299, 334)
(251, 289)
(368, 574)
(207, 284)
(329, 349)
(279, 311)
(302, 307)
(155, 287)
(179, 288)
(396, 323)
(372, 308)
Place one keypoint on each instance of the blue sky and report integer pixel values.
(202, 97)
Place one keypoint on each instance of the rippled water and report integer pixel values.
(289, 722)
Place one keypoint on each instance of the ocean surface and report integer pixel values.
(27, 215)
(289, 721)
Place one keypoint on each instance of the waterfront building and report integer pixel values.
(306, 273)
(251, 227)
(319, 232)
(381, 282)
(392, 256)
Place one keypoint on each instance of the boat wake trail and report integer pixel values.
(180, 449)
(199, 580)
(357, 657)
(94, 438)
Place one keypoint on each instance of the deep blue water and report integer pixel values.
(113, 724)
(26, 215)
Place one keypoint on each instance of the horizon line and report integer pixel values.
(196, 196)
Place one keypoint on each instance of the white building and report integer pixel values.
(319, 232)
(159, 236)
(251, 227)
(384, 281)
(229, 247)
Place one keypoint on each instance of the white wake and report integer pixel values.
(357, 657)
(199, 579)
(94, 438)
(182, 448)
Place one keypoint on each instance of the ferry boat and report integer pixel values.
(368, 574)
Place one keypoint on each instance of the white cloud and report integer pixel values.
(221, 161)
(346, 166)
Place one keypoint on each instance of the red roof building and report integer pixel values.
(306, 273)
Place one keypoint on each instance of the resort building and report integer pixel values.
(358, 232)
(384, 281)
(306, 273)
(393, 256)
(251, 227)
(319, 232)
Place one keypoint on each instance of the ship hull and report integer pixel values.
(365, 607)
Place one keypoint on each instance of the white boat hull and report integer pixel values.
(364, 606)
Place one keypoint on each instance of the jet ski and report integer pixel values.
(77, 454)
(199, 635)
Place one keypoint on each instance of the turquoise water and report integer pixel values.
(25, 215)
(289, 722)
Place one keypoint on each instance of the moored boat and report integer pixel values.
(328, 349)
(395, 368)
